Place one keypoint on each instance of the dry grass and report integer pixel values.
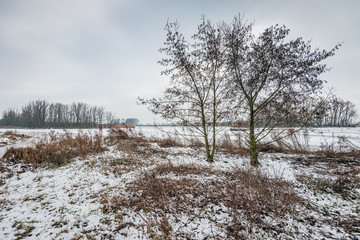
(183, 170)
(243, 194)
(290, 142)
(127, 138)
(22, 230)
(12, 136)
(344, 185)
(226, 144)
(335, 155)
(115, 136)
(167, 142)
(55, 150)
(137, 152)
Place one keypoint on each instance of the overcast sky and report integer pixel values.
(104, 52)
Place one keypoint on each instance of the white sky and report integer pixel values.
(104, 52)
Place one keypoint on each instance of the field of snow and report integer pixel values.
(72, 201)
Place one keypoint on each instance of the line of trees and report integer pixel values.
(337, 113)
(41, 114)
(226, 73)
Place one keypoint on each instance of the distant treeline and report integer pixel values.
(337, 113)
(41, 114)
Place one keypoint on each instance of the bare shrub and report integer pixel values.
(299, 140)
(55, 150)
(291, 142)
(350, 225)
(226, 144)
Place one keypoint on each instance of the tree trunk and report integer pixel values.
(253, 148)
(213, 122)
(209, 156)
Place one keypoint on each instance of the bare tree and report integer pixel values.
(100, 112)
(39, 111)
(10, 117)
(110, 119)
(196, 97)
(339, 113)
(77, 110)
(275, 79)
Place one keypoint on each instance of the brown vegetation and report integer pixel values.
(12, 136)
(168, 142)
(115, 136)
(242, 194)
(226, 144)
(55, 150)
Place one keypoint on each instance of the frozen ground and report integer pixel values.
(69, 202)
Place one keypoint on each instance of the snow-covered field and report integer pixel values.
(317, 136)
(72, 202)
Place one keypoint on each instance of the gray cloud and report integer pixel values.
(104, 52)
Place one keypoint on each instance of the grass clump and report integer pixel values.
(55, 150)
(22, 230)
